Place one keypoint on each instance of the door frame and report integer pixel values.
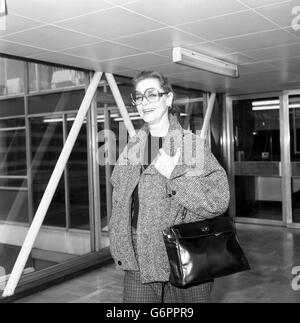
(288, 169)
(284, 167)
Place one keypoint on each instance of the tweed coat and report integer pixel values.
(198, 183)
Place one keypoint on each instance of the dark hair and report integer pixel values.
(163, 81)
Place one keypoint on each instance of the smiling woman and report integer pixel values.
(148, 200)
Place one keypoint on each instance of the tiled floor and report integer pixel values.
(271, 251)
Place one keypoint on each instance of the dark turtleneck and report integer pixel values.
(151, 141)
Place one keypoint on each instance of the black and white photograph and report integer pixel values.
(150, 154)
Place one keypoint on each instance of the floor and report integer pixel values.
(272, 253)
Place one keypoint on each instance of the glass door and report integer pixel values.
(294, 116)
(256, 159)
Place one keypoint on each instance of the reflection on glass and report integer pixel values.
(47, 143)
(258, 197)
(78, 180)
(11, 107)
(13, 205)
(257, 139)
(55, 102)
(45, 77)
(256, 130)
(12, 151)
(11, 76)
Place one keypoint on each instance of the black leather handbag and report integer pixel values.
(200, 251)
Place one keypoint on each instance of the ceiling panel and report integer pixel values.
(255, 68)
(293, 31)
(51, 38)
(55, 10)
(127, 36)
(238, 58)
(259, 40)
(112, 24)
(278, 52)
(141, 61)
(16, 24)
(261, 3)
(173, 68)
(280, 13)
(61, 58)
(102, 51)
(229, 26)
(160, 39)
(18, 49)
(177, 12)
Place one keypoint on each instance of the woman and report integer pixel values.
(147, 200)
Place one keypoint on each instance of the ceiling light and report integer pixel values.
(193, 59)
(263, 103)
(266, 107)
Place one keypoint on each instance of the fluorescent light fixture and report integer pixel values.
(270, 105)
(263, 103)
(132, 118)
(266, 107)
(193, 59)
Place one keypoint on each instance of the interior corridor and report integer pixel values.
(271, 251)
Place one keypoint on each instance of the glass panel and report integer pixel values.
(189, 106)
(56, 102)
(11, 77)
(13, 152)
(12, 107)
(258, 197)
(294, 108)
(256, 130)
(78, 180)
(13, 182)
(45, 77)
(13, 206)
(47, 143)
(257, 154)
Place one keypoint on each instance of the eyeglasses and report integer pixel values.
(152, 95)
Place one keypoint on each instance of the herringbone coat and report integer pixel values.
(205, 194)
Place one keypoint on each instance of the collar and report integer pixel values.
(173, 140)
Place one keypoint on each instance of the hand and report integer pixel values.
(165, 164)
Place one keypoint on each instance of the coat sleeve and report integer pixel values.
(205, 194)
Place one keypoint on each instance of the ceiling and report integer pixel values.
(124, 37)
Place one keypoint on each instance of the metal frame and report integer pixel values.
(51, 187)
(229, 150)
(66, 177)
(288, 169)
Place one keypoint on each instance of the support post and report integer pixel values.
(51, 188)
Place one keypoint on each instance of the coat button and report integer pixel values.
(120, 263)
